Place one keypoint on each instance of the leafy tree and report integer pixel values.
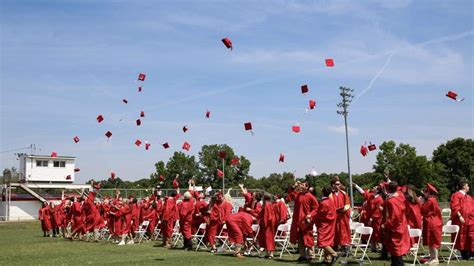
(455, 159)
(184, 165)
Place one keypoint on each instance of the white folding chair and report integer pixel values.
(252, 240)
(157, 231)
(415, 233)
(176, 236)
(446, 213)
(140, 234)
(223, 238)
(199, 235)
(282, 238)
(447, 223)
(450, 229)
(359, 244)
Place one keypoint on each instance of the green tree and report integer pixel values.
(210, 161)
(456, 159)
(184, 165)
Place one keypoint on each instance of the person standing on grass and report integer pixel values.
(462, 214)
(76, 218)
(185, 220)
(325, 219)
(396, 235)
(215, 221)
(267, 222)
(44, 215)
(432, 222)
(170, 216)
(413, 211)
(342, 238)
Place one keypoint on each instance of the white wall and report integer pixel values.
(50, 173)
(21, 210)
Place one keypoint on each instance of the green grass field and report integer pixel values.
(24, 244)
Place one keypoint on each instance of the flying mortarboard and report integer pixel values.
(220, 173)
(186, 146)
(77, 169)
(76, 139)
(227, 43)
(141, 77)
(142, 114)
(235, 161)
(453, 95)
(138, 142)
(125, 101)
(304, 89)
(166, 145)
(100, 118)
(108, 134)
(372, 147)
(296, 128)
(54, 154)
(329, 62)
(222, 154)
(363, 150)
(208, 114)
(282, 158)
(147, 145)
(185, 128)
(112, 175)
(68, 177)
(312, 104)
(139, 122)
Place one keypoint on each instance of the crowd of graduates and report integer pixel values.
(388, 208)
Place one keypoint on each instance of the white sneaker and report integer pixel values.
(121, 243)
(130, 242)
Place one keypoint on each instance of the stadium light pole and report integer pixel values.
(343, 105)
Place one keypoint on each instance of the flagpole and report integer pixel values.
(223, 176)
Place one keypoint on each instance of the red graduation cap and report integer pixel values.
(329, 62)
(139, 122)
(282, 158)
(185, 128)
(372, 147)
(186, 146)
(112, 175)
(68, 177)
(166, 145)
(147, 145)
(363, 150)
(162, 178)
(296, 128)
(76, 139)
(235, 161)
(141, 77)
(77, 169)
(139, 88)
(175, 183)
(248, 126)
(108, 134)
(125, 101)
(222, 154)
(312, 104)
(54, 154)
(304, 89)
(142, 114)
(453, 95)
(220, 173)
(138, 142)
(227, 43)
(208, 114)
(100, 118)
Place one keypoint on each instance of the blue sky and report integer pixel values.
(65, 62)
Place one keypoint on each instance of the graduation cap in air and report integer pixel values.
(142, 114)
(186, 146)
(139, 88)
(453, 95)
(304, 89)
(100, 118)
(208, 114)
(76, 139)
(372, 147)
(296, 128)
(147, 145)
(108, 134)
(363, 150)
(222, 154)
(141, 77)
(125, 101)
(139, 122)
(220, 173)
(282, 158)
(312, 104)
(235, 161)
(112, 175)
(329, 62)
(138, 142)
(162, 178)
(227, 43)
(68, 177)
(77, 169)
(185, 128)
(54, 154)
(248, 127)
(166, 145)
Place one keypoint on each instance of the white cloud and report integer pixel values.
(341, 129)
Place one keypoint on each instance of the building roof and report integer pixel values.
(48, 157)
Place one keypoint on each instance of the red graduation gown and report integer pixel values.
(239, 226)
(200, 212)
(267, 222)
(396, 237)
(281, 212)
(343, 230)
(432, 223)
(305, 203)
(376, 215)
(44, 216)
(463, 203)
(126, 212)
(76, 215)
(325, 220)
(215, 222)
(186, 218)
(169, 217)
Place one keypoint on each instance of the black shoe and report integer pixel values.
(334, 259)
(301, 259)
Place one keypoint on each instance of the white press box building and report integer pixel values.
(37, 172)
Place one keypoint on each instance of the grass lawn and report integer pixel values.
(24, 244)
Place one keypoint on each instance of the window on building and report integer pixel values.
(59, 163)
(41, 163)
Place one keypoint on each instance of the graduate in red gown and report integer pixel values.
(413, 211)
(92, 216)
(281, 211)
(135, 216)
(44, 215)
(170, 216)
(200, 211)
(186, 218)
(76, 217)
(268, 223)
(376, 214)
(301, 230)
(462, 214)
(239, 227)
(432, 222)
(325, 220)
(215, 221)
(394, 226)
(126, 218)
(342, 202)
